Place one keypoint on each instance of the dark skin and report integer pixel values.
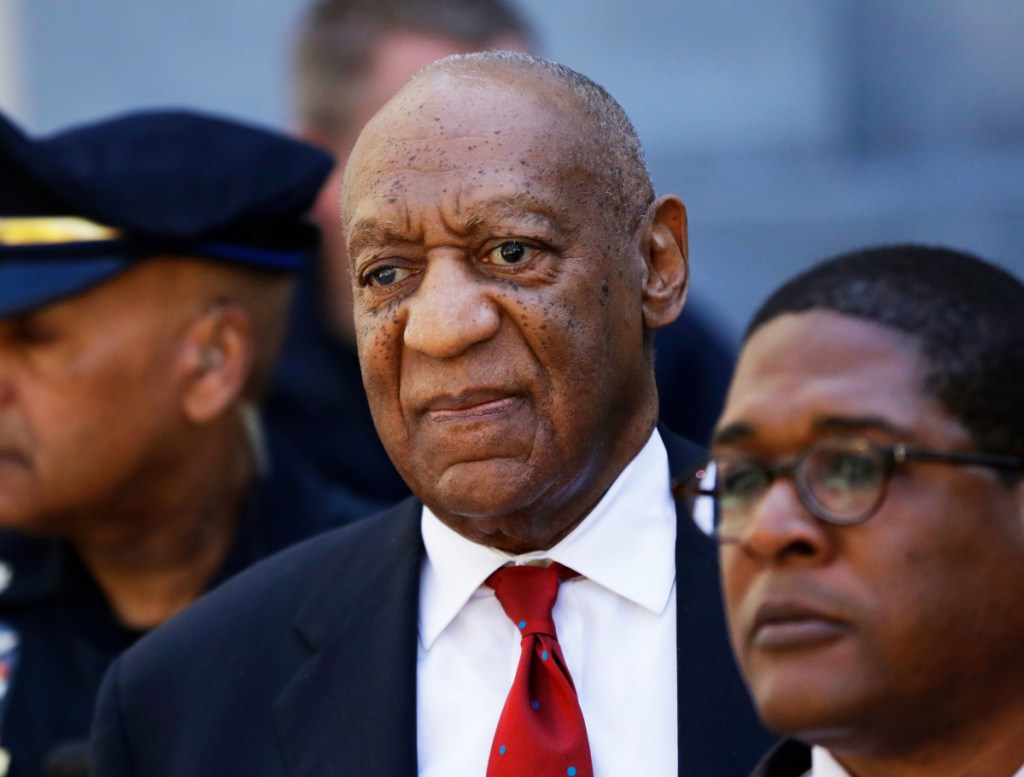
(500, 305)
(896, 643)
(120, 431)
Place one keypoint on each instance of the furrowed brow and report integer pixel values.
(518, 208)
(736, 432)
(365, 234)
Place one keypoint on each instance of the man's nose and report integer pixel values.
(781, 527)
(451, 310)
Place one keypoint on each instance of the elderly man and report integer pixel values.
(145, 268)
(351, 57)
(866, 487)
(510, 264)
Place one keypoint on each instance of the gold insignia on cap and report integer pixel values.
(48, 230)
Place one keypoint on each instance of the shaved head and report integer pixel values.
(603, 141)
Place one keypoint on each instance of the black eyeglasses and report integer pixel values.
(840, 481)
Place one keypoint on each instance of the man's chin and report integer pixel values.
(496, 502)
(483, 490)
(825, 716)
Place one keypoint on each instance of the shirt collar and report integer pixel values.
(626, 545)
(823, 764)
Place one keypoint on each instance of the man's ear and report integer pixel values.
(667, 276)
(218, 361)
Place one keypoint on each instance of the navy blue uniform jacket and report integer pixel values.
(305, 666)
(65, 634)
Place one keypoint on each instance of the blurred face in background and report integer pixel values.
(90, 399)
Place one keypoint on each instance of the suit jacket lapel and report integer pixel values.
(350, 710)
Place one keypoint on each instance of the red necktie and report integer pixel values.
(541, 732)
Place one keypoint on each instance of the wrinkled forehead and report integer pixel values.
(442, 121)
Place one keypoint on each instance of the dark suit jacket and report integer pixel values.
(306, 666)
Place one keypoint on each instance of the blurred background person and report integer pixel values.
(146, 266)
(350, 57)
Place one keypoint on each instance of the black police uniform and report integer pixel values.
(62, 634)
(76, 209)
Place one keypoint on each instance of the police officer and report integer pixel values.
(145, 269)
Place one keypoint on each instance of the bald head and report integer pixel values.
(587, 128)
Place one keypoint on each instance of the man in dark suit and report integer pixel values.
(867, 488)
(510, 263)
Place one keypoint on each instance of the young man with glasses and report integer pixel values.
(865, 486)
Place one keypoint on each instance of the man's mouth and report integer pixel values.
(791, 624)
(471, 405)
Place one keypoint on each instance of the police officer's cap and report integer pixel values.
(83, 205)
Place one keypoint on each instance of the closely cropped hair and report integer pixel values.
(336, 40)
(967, 314)
(605, 133)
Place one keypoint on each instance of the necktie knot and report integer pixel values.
(527, 594)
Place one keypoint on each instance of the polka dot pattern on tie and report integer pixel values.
(541, 731)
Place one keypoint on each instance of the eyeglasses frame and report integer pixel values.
(893, 456)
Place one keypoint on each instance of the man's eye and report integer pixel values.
(386, 276)
(29, 333)
(511, 252)
(741, 482)
(851, 471)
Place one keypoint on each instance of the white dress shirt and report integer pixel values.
(823, 764)
(616, 625)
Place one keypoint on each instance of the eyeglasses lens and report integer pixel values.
(845, 480)
(839, 481)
